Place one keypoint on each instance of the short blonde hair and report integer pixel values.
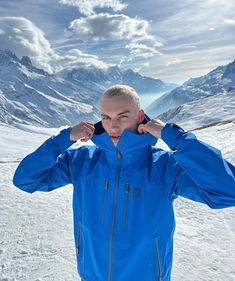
(122, 91)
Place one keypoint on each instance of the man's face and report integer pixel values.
(118, 114)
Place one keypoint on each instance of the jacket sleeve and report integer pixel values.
(198, 171)
(47, 168)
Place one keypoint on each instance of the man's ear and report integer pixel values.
(141, 116)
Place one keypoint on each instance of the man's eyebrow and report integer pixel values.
(124, 112)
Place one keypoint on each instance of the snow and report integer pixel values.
(203, 112)
(205, 238)
(36, 230)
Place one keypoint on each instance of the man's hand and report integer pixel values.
(83, 131)
(154, 127)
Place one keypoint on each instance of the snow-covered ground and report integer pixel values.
(36, 235)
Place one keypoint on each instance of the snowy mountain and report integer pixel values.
(29, 95)
(210, 110)
(89, 77)
(218, 81)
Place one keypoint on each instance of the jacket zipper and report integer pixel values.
(158, 261)
(117, 179)
(79, 240)
(127, 189)
(104, 201)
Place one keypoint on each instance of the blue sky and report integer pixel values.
(167, 39)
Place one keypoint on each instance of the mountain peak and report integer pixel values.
(7, 57)
(25, 60)
(229, 72)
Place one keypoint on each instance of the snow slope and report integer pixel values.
(31, 96)
(203, 112)
(36, 235)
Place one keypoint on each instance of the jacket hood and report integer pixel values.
(128, 141)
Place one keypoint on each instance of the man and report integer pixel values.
(124, 187)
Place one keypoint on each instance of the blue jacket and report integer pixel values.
(123, 197)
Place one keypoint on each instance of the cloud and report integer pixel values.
(23, 38)
(87, 7)
(174, 61)
(194, 63)
(194, 21)
(76, 58)
(118, 30)
(138, 50)
(230, 21)
(105, 26)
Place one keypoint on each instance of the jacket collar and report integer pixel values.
(128, 142)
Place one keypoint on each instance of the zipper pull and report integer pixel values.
(104, 201)
(127, 187)
(126, 190)
(106, 185)
(119, 156)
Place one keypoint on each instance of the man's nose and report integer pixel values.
(114, 125)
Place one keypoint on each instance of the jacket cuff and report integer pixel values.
(63, 140)
(171, 134)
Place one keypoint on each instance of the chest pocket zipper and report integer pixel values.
(127, 189)
(158, 264)
(104, 202)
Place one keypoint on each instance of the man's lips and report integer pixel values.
(115, 137)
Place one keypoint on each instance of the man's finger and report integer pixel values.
(88, 129)
(88, 125)
(88, 133)
(141, 129)
(84, 139)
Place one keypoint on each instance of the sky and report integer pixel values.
(165, 39)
